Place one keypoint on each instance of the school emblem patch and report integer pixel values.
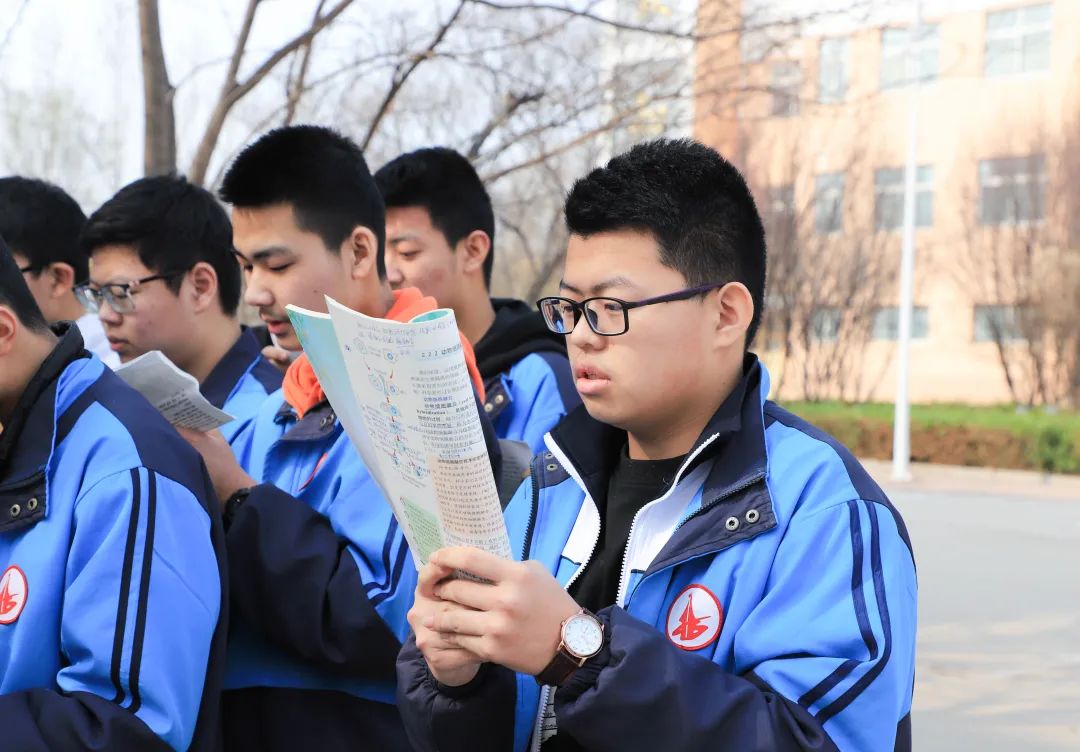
(695, 618)
(13, 592)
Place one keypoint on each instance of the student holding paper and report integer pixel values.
(112, 555)
(41, 224)
(320, 573)
(705, 570)
(164, 278)
(440, 234)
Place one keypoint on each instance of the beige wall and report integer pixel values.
(964, 117)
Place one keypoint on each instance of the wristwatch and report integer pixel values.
(582, 636)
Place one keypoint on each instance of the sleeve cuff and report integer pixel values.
(586, 677)
(471, 687)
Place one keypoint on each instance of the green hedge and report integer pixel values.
(999, 436)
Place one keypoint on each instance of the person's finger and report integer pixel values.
(474, 561)
(477, 595)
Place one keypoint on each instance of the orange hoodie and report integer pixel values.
(301, 386)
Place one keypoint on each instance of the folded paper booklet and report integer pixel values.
(403, 395)
(173, 392)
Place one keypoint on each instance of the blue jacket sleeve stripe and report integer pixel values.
(845, 668)
(387, 585)
(125, 586)
(883, 609)
(144, 591)
(395, 577)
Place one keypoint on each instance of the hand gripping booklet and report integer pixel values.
(404, 397)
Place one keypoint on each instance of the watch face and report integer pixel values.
(583, 635)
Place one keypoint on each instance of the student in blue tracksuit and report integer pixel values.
(705, 570)
(440, 233)
(112, 622)
(321, 576)
(164, 277)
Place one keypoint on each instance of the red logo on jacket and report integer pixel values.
(694, 618)
(13, 592)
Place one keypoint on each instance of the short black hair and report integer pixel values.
(320, 173)
(691, 200)
(172, 225)
(445, 184)
(41, 221)
(16, 295)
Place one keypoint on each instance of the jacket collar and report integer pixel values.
(27, 441)
(230, 369)
(734, 438)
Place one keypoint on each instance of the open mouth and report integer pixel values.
(590, 380)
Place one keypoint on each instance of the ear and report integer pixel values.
(359, 252)
(204, 285)
(9, 329)
(61, 279)
(474, 249)
(732, 308)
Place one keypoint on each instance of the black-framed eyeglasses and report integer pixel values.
(608, 317)
(119, 295)
(30, 268)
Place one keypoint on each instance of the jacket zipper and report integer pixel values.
(546, 691)
(633, 523)
(532, 511)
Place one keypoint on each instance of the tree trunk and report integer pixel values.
(159, 149)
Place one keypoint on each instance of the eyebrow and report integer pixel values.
(403, 238)
(616, 281)
(263, 253)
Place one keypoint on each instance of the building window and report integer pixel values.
(889, 197)
(829, 202)
(785, 84)
(1018, 40)
(833, 70)
(887, 323)
(1012, 190)
(997, 323)
(825, 324)
(894, 44)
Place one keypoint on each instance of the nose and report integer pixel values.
(108, 315)
(393, 273)
(583, 337)
(256, 293)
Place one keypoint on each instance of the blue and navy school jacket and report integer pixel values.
(112, 618)
(322, 581)
(240, 382)
(767, 602)
(526, 374)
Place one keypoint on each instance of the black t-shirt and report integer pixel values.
(632, 485)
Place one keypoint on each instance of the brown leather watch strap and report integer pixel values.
(561, 668)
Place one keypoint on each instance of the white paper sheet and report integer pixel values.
(173, 392)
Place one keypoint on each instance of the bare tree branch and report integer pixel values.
(402, 74)
(510, 105)
(159, 127)
(295, 89)
(233, 90)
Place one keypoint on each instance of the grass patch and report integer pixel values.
(995, 436)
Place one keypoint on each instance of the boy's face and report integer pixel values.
(658, 371)
(284, 265)
(418, 255)
(162, 319)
